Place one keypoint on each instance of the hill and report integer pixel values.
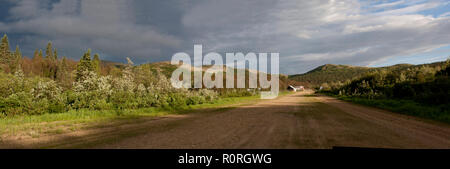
(331, 73)
(166, 68)
(419, 90)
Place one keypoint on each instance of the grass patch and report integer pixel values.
(408, 107)
(58, 123)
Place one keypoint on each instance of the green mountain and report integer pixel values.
(331, 73)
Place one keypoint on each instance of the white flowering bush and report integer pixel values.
(163, 84)
(17, 103)
(10, 84)
(47, 90)
(209, 95)
(91, 91)
(144, 97)
(49, 95)
(130, 90)
(92, 82)
(22, 95)
(124, 94)
(194, 98)
(126, 82)
(201, 96)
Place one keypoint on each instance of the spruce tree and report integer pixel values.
(40, 54)
(48, 56)
(84, 65)
(37, 63)
(64, 64)
(37, 59)
(63, 74)
(96, 64)
(55, 54)
(40, 64)
(5, 44)
(15, 62)
(17, 53)
(49, 51)
(36, 53)
(5, 53)
(50, 67)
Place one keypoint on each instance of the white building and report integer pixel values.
(295, 88)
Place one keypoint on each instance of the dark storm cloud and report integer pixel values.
(306, 33)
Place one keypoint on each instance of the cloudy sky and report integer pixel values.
(305, 33)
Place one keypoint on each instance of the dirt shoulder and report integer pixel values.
(85, 134)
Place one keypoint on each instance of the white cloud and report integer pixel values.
(317, 32)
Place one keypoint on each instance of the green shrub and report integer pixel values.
(195, 99)
(237, 93)
(176, 99)
(124, 100)
(34, 96)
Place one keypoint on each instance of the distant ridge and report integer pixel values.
(330, 73)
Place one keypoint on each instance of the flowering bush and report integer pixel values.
(25, 95)
(30, 96)
(48, 94)
(9, 85)
(91, 92)
(18, 103)
(47, 90)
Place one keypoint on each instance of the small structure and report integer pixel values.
(301, 88)
(291, 88)
(295, 88)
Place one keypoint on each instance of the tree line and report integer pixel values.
(50, 84)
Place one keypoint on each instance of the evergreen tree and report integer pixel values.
(37, 59)
(16, 60)
(38, 63)
(84, 65)
(5, 53)
(40, 54)
(17, 53)
(36, 53)
(55, 54)
(5, 44)
(63, 74)
(51, 62)
(64, 64)
(96, 64)
(49, 51)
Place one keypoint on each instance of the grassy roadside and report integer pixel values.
(50, 124)
(407, 107)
